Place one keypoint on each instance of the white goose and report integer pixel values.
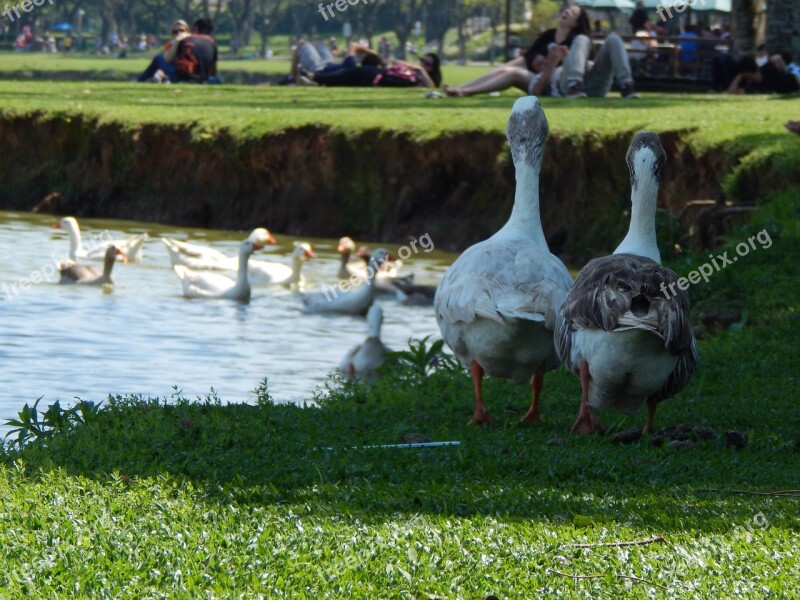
(497, 304)
(364, 360)
(622, 330)
(130, 249)
(201, 258)
(216, 285)
(346, 297)
(264, 272)
(71, 272)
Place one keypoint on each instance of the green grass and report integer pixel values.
(151, 498)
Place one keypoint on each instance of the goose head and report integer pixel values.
(69, 224)
(645, 159)
(376, 260)
(302, 251)
(262, 236)
(109, 258)
(527, 131)
(247, 247)
(346, 246)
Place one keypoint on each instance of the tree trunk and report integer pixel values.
(782, 28)
(744, 26)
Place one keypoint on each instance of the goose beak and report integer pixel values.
(341, 248)
(124, 256)
(309, 254)
(55, 226)
(271, 239)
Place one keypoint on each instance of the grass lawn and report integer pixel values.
(151, 498)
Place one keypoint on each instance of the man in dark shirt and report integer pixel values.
(638, 18)
(196, 60)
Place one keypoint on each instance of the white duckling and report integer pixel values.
(496, 305)
(624, 328)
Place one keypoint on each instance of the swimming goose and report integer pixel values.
(216, 285)
(348, 297)
(624, 328)
(496, 305)
(262, 272)
(71, 272)
(364, 360)
(200, 258)
(130, 249)
(412, 294)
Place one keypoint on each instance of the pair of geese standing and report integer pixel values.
(508, 307)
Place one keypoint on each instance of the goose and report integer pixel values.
(620, 330)
(348, 297)
(201, 258)
(384, 278)
(412, 294)
(130, 249)
(216, 285)
(263, 272)
(496, 305)
(364, 360)
(71, 272)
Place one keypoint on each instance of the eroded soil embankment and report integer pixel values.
(314, 181)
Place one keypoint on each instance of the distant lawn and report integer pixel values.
(104, 66)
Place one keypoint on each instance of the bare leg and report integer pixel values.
(651, 412)
(536, 391)
(586, 422)
(496, 81)
(481, 416)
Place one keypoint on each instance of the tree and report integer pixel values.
(744, 26)
(783, 27)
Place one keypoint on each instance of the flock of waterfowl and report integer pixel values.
(506, 307)
(203, 272)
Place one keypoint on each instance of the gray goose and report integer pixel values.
(621, 329)
(496, 305)
(71, 272)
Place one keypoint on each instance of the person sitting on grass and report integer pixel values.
(540, 80)
(793, 127)
(163, 65)
(318, 58)
(580, 77)
(400, 74)
(521, 71)
(196, 60)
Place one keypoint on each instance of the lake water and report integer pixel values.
(143, 337)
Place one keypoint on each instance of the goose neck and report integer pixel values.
(641, 238)
(525, 214)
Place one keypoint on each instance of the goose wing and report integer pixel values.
(624, 291)
(71, 272)
(203, 284)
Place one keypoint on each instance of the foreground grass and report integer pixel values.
(151, 498)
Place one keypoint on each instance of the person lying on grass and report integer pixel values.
(317, 58)
(400, 74)
(772, 77)
(522, 71)
(540, 80)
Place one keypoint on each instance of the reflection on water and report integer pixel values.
(143, 337)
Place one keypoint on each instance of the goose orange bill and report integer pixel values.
(271, 239)
(55, 226)
(309, 254)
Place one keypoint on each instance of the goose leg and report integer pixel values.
(481, 416)
(536, 391)
(586, 422)
(651, 412)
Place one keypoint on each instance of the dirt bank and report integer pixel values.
(316, 181)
